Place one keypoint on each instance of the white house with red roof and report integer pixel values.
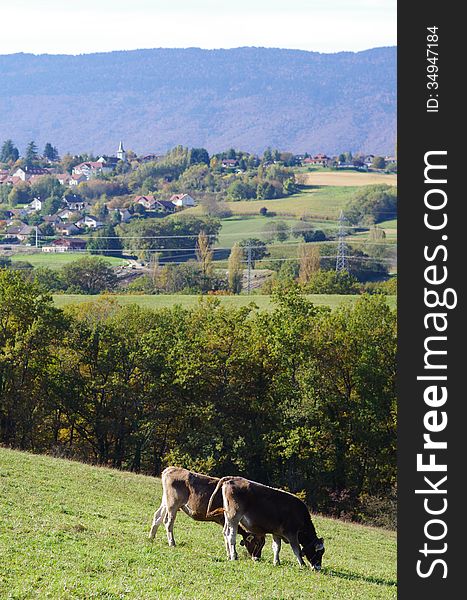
(182, 200)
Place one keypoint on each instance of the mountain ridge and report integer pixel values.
(247, 97)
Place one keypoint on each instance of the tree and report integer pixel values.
(309, 257)
(204, 253)
(89, 275)
(276, 230)
(46, 187)
(48, 279)
(51, 205)
(30, 328)
(9, 152)
(332, 282)
(31, 153)
(282, 231)
(198, 155)
(19, 194)
(241, 190)
(265, 191)
(378, 163)
(258, 251)
(371, 204)
(50, 152)
(235, 268)
(105, 242)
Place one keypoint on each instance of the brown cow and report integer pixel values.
(190, 492)
(261, 509)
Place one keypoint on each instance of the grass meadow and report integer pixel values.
(263, 302)
(56, 260)
(70, 531)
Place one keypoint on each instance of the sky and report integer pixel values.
(73, 27)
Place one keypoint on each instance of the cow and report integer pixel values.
(261, 509)
(190, 492)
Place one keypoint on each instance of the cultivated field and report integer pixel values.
(69, 531)
(346, 178)
(56, 260)
(187, 301)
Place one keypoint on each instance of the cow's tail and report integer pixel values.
(217, 511)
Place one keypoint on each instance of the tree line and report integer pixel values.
(299, 396)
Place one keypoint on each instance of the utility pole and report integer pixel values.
(341, 260)
(249, 268)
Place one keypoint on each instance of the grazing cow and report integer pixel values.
(261, 509)
(190, 492)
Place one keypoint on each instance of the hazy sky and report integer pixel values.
(73, 27)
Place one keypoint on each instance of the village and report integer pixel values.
(44, 207)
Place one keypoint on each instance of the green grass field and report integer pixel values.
(318, 203)
(56, 260)
(322, 202)
(168, 300)
(243, 227)
(69, 531)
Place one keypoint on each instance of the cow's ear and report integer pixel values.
(319, 545)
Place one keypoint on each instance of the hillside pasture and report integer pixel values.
(263, 302)
(70, 531)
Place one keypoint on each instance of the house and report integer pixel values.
(74, 202)
(19, 213)
(146, 201)
(229, 163)
(63, 178)
(77, 179)
(164, 206)
(65, 245)
(35, 205)
(91, 169)
(14, 180)
(53, 220)
(149, 158)
(320, 160)
(66, 214)
(21, 231)
(125, 214)
(90, 222)
(4, 176)
(182, 200)
(67, 229)
(25, 173)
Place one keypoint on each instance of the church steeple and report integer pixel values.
(121, 154)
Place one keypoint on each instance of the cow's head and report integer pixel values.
(314, 550)
(254, 544)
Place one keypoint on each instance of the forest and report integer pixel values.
(299, 397)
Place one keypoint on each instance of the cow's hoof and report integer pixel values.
(255, 558)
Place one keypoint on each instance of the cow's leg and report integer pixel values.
(169, 521)
(157, 520)
(276, 548)
(225, 531)
(296, 549)
(232, 526)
